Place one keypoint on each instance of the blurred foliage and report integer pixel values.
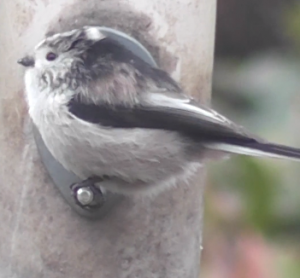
(252, 216)
(288, 266)
(292, 18)
(245, 27)
(255, 183)
(256, 90)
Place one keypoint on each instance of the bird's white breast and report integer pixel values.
(88, 149)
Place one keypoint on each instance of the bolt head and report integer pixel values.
(85, 196)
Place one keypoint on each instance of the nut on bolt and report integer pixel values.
(87, 195)
(84, 196)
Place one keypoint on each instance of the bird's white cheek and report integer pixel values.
(38, 64)
(28, 78)
(31, 87)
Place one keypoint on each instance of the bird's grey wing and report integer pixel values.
(165, 111)
(182, 115)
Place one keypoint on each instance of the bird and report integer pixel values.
(120, 124)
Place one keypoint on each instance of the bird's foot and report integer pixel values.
(87, 195)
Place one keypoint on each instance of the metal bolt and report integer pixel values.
(84, 196)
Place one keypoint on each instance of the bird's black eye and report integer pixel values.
(51, 56)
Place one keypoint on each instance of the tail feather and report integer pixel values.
(258, 149)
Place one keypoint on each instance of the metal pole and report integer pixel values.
(40, 235)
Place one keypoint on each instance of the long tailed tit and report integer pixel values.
(112, 119)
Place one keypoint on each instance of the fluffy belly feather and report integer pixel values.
(131, 154)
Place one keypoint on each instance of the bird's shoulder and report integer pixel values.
(113, 65)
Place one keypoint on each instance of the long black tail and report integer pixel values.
(258, 149)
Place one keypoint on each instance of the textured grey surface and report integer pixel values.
(40, 235)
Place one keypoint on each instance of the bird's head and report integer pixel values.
(62, 49)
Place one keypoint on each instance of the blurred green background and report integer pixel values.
(252, 215)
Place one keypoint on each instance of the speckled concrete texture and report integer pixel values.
(40, 235)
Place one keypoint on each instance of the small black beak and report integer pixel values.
(27, 61)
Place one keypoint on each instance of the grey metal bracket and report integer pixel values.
(62, 178)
